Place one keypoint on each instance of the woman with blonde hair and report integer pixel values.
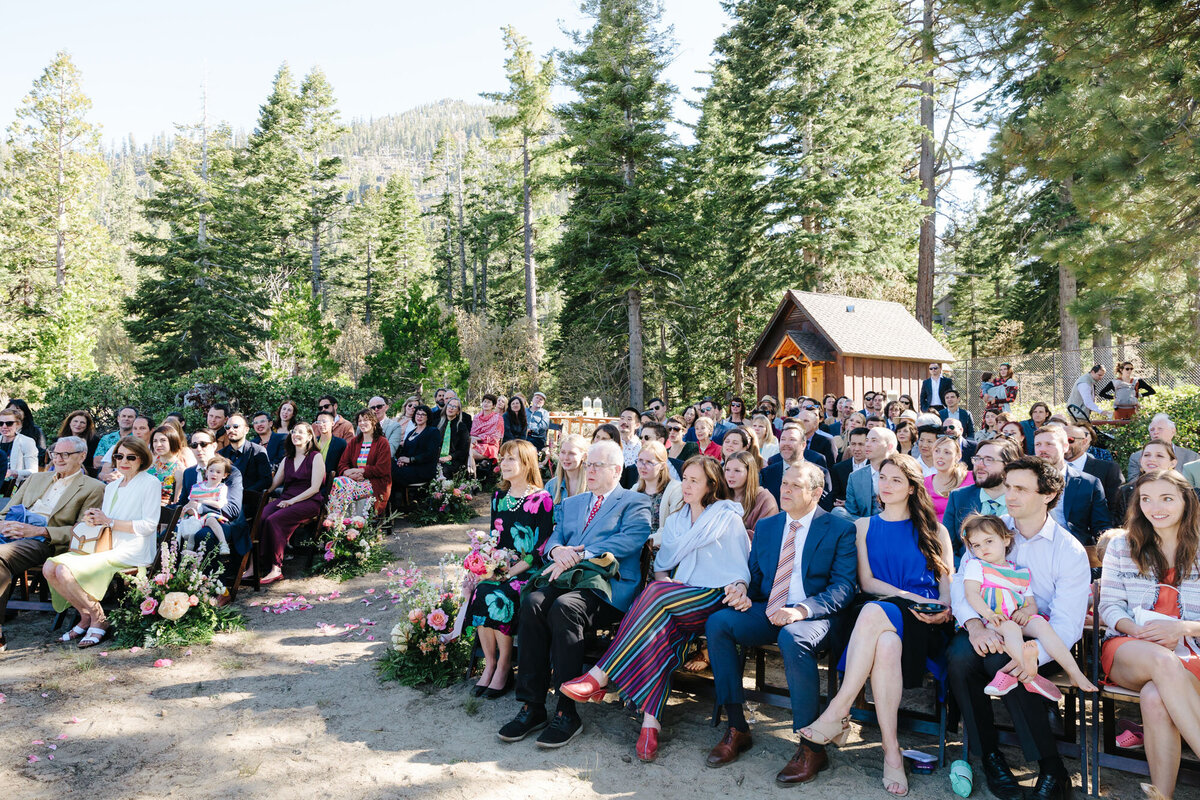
(951, 473)
(570, 475)
(768, 444)
(522, 518)
(654, 480)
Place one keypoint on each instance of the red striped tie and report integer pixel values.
(783, 573)
(595, 509)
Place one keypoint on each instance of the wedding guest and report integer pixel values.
(677, 448)
(768, 443)
(487, 429)
(365, 470)
(1150, 603)
(251, 459)
(1039, 415)
(21, 450)
(167, 465)
(539, 421)
(301, 476)
(704, 442)
(570, 475)
(516, 423)
(80, 423)
(272, 440)
(742, 440)
(950, 473)
(455, 425)
(125, 417)
(986, 494)
(741, 475)
(704, 553)
(329, 446)
(287, 416)
(405, 424)
(130, 508)
(1126, 391)
(1156, 455)
(654, 481)
(522, 515)
(421, 451)
(342, 428)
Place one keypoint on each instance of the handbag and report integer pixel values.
(88, 539)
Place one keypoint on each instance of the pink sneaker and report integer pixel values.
(1045, 688)
(1001, 685)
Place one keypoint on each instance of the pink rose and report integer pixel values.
(193, 600)
(148, 606)
(469, 497)
(437, 495)
(329, 555)
(164, 662)
(438, 619)
(457, 492)
(327, 523)
(351, 535)
(415, 616)
(160, 579)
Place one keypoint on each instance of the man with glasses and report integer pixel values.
(391, 429)
(986, 496)
(658, 408)
(554, 619)
(125, 418)
(1079, 439)
(657, 432)
(341, 428)
(712, 409)
(61, 497)
(933, 390)
(237, 531)
(248, 457)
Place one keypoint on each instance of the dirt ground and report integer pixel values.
(291, 707)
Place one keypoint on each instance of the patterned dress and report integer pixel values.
(166, 476)
(524, 525)
(1004, 586)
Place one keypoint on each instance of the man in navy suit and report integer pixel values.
(863, 487)
(1083, 509)
(204, 445)
(986, 495)
(1079, 439)
(934, 388)
(605, 519)
(790, 452)
(817, 440)
(952, 427)
(841, 471)
(795, 602)
(954, 411)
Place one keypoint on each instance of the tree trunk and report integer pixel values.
(462, 245)
(926, 243)
(1068, 290)
(739, 364)
(1102, 341)
(662, 346)
(483, 259)
(316, 256)
(527, 204)
(474, 282)
(368, 302)
(633, 300)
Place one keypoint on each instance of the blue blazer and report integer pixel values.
(770, 477)
(1084, 507)
(860, 495)
(1029, 430)
(829, 561)
(961, 504)
(621, 527)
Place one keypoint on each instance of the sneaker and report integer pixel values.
(562, 730)
(1045, 688)
(224, 549)
(1001, 685)
(527, 720)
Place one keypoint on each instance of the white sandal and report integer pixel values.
(73, 634)
(94, 637)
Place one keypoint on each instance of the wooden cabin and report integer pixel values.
(818, 344)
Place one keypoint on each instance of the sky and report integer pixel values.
(144, 63)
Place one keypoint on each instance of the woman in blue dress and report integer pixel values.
(904, 558)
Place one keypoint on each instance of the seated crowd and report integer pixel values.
(908, 540)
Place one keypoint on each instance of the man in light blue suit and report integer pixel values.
(605, 519)
(861, 500)
(803, 573)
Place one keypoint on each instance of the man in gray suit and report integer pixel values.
(862, 487)
(554, 619)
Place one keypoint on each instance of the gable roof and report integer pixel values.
(873, 329)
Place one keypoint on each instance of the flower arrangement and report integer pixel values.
(487, 560)
(445, 501)
(424, 648)
(176, 606)
(352, 546)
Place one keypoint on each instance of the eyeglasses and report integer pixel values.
(987, 461)
(377, 407)
(597, 465)
(125, 457)
(201, 444)
(7, 424)
(68, 454)
(641, 462)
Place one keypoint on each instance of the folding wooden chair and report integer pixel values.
(254, 502)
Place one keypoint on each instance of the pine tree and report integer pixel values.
(615, 239)
(319, 127)
(197, 303)
(420, 348)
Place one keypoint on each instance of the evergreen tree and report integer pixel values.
(616, 237)
(197, 303)
(420, 348)
(319, 129)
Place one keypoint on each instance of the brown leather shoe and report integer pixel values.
(803, 767)
(732, 745)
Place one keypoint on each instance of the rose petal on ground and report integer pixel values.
(52, 746)
(104, 654)
(37, 741)
(32, 758)
(135, 649)
(51, 756)
(45, 694)
(61, 736)
(164, 662)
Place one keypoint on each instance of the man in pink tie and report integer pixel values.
(803, 573)
(553, 619)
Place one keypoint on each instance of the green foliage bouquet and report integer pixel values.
(178, 605)
(425, 648)
(445, 501)
(352, 546)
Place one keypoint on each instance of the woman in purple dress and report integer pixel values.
(301, 475)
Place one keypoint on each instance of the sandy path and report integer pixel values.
(285, 709)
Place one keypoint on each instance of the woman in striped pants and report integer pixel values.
(706, 546)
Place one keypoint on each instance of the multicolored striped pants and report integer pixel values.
(345, 491)
(653, 640)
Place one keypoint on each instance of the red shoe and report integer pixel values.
(584, 689)
(647, 744)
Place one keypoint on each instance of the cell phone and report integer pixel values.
(928, 608)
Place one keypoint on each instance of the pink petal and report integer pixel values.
(370, 591)
(135, 649)
(104, 654)
(61, 736)
(370, 638)
(32, 759)
(38, 741)
(52, 746)
(75, 721)
(51, 756)
(164, 662)
(45, 694)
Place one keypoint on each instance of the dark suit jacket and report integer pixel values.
(1085, 508)
(274, 447)
(237, 530)
(839, 475)
(926, 396)
(770, 478)
(1110, 477)
(829, 560)
(967, 423)
(423, 450)
(823, 444)
(968, 451)
(254, 464)
(333, 457)
(1027, 427)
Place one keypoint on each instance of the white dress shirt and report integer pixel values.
(1061, 580)
(46, 504)
(796, 593)
(855, 466)
(1079, 462)
(925, 468)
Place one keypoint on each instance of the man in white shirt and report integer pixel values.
(631, 445)
(1062, 586)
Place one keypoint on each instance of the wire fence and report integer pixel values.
(1049, 376)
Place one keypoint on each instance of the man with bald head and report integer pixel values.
(554, 618)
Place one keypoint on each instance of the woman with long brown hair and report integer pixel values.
(741, 473)
(904, 559)
(1150, 603)
(287, 417)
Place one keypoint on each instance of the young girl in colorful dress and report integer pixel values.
(206, 500)
(999, 591)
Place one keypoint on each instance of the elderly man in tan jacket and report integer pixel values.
(61, 496)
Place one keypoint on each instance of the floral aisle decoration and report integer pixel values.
(176, 606)
(426, 649)
(445, 501)
(352, 546)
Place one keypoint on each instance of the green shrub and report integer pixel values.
(1181, 404)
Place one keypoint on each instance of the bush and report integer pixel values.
(1181, 404)
(248, 392)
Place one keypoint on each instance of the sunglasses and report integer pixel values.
(376, 408)
(125, 457)
(674, 428)
(325, 407)
(7, 424)
(201, 444)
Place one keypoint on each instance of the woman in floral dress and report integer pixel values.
(522, 516)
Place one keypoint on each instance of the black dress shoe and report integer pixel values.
(1052, 786)
(492, 694)
(480, 690)
(526, 721)
(1000, 780)
(562, 729)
